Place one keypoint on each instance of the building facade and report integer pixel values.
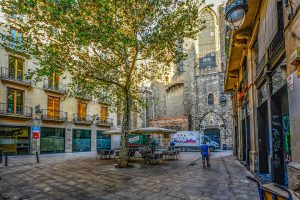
(256, 74)
(42, 117)
(194, 98)
(292, 46)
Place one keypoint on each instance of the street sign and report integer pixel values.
(36, 135)
(36, 132)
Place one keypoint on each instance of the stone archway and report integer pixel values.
(213, 126)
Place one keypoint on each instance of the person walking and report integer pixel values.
(172, 145)
(205, 154)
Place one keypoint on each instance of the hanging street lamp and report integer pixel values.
(236, 13)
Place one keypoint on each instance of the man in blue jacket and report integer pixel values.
(205, 154)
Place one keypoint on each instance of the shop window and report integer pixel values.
(210, 99)
(81, 140)
(16, 38)
(103, 141)
(16, 68)
(52, 140)
(14, 140)
(15, 101)
(82, 107)
(104, 113)
(53, 107)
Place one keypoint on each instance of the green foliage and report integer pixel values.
(106, 45)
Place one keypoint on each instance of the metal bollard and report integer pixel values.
(37, 157)
(6, 159)
(1, 157)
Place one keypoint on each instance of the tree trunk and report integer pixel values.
(123, 160)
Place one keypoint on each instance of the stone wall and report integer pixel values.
(176, 123)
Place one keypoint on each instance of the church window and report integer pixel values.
(207, 43)
(210, 99)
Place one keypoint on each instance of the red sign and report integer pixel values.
(36, 135)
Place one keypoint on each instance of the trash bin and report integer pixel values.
(224, 146)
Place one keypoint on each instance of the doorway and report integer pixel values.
(279, 106)
(213, 134)
(263, 138)
(246, 140)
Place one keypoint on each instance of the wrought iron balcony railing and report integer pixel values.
(85, 119)
(54, 115)
(276, 47)
(15, 110)
(54, 87)
(104, 122)
(5, 75)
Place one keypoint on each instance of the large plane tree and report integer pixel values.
(109, 47)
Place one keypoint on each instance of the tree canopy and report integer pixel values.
(109, 47)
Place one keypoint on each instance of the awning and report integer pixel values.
(113, 132)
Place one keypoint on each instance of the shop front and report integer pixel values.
(81, 140)
(52, 140)
(103, 141)
(263, 130)
(15, 140)
(280, 126)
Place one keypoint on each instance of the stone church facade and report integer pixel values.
(194, 98)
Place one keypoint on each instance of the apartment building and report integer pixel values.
(257, 70)
(41, 116)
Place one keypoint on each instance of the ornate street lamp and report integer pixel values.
(236, 13)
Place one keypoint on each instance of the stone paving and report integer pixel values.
(82, 176)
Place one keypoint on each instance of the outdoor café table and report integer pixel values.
(172, 155)
(104, 154)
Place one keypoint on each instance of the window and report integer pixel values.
(54, 81)
(16, 37)
(15, 101)
(208, 60)
(104, 113)
(82, 107)
(207, 43)
(210, 99)
(53, 107)
(16, 68)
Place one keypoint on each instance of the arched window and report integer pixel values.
(207, 40)
(210, 100)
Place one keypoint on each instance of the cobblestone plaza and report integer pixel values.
(82, 176)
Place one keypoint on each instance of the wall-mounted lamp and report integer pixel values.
(236, 13)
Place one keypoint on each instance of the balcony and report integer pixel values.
(86, 119)
(54, 115)
(105, 123)
(56, 88)
(18, 111)
(6, 76)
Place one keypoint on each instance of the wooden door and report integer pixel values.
(104, 113)
(82, 110)
(53, 107)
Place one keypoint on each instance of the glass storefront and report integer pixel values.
(52, 140)
(14, 140)
(103, 141)
(81, 140)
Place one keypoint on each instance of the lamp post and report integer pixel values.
(236, 13)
